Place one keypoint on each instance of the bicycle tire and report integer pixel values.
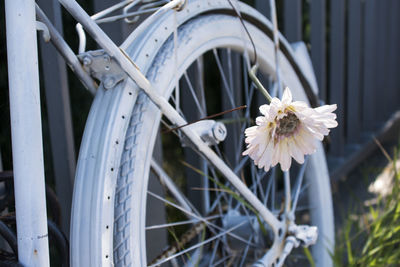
(105, 174)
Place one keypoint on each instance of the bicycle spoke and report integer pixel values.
(222, 260)
(299, 181)
(286, 181)
(224, 80)
(168, 182)
(242, 162)
(245, 124)
(165, 225)
(175, 101)
(214, 251)
(274, 88)
(223, 233)
(269, 187)
(256, 184)
(194, 96)
(216, 185)
(208, 223)
(200, 83)
(206, 184)
(230, 68)
(273, 189)
(303, 208)
(244, 255)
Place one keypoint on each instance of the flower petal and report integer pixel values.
(285, 158)
(287, 96)
(326, 108)
(265, 159)
(296, 152)
(264, 109)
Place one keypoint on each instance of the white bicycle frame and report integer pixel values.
(26, 125)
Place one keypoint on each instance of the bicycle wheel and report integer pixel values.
(199, 221)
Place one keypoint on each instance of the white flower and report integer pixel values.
(287, 129)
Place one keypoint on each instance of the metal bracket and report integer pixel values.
(210, 131)
(307, 235)
(40, 26)
(303, 235)
(102, 67)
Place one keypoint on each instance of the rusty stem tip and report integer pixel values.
(205, 118)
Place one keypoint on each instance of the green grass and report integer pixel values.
(373, 238)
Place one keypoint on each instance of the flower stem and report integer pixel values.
(259, 86)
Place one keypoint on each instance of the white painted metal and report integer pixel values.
(101, 14)
(30, 202)
(304, 61)
(168, 182)
(66, 52)
(274, 21)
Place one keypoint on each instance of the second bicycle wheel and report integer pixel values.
(172, 207)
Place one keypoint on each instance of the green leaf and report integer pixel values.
(309, 256)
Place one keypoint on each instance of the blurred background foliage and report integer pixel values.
(368, 215)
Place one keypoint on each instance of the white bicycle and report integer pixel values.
(201, 203)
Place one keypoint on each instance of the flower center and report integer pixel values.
(287, 125)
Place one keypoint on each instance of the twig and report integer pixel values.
(205, 118)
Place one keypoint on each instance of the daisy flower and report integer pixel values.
(287, 129)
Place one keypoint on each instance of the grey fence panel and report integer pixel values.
(263, 7)
(113, 30)
(396, 50)
(192, 112)
(231, 65)
(354, 59)
(318, 44)
(381, 58)
(292, 20)
(393, 49)
(59, 115)
(336, 72)
(369, 68)
(156, 239)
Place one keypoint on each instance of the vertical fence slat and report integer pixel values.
(354, 71)
(381, 98)
(396, 11)
(231, 65)
(113, 30)
(263, 7)
(292, 20)
(318, 45)
(55, 81)
(336, 72)
(387, 55)
(156, 239)
(191, 111)
(393, 51)
(369, 67)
